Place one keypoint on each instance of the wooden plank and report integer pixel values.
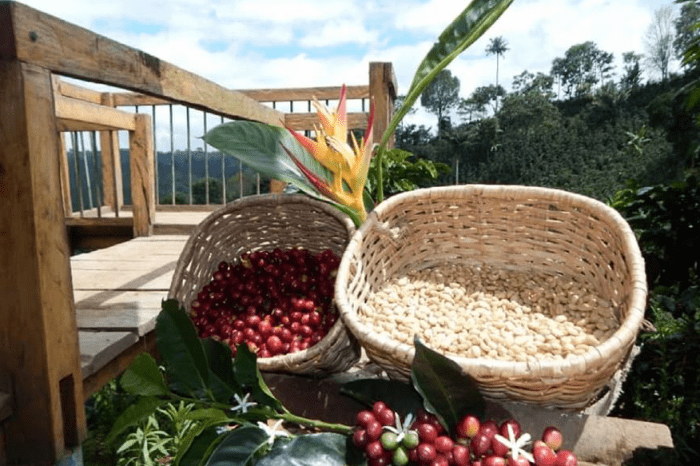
(382, 88)
(143, 189)
(122, 99)
(306, 93)
(76, 115)
(156, 279)
(104, 221)
(73, 91)
(92, 383)
(39, 345)
(112, 181)
(99, 348)
(306, 121)
(65, 177)
(64, 48)
(132, 311)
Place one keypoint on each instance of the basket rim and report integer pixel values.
(622, 339)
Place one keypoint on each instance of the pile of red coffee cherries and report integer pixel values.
(424, 441)
(277, 302)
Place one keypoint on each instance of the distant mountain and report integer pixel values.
(199, 162)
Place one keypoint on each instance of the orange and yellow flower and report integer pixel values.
(348, 162)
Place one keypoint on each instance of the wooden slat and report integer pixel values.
(123, 99)
(112, 181)
(132, 311)
(76, 115)
(39, 345)
(95, 381)
(306, 93)
(103, 221)
(97, 349)
(65, 177)
(306, 121)
(64, 48)
(73, 91)
(382, 88)
(143, 189)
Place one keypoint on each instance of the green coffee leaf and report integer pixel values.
(447, 391)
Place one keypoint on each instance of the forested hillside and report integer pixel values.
(591, 144)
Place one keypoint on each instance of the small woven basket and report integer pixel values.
(515, 228)
(263, 223)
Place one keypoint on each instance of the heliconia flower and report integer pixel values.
(349, 164)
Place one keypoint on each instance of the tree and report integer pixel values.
(658, 41)
(497, 46)
(441, 95)
(633, 73)
(471, 109)
(527, 82)
(487, 95)
(582, 67)
(686, 31)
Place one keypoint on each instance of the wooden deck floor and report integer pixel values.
(118, 291)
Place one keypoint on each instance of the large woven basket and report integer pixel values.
(262, 223)
(503, 227)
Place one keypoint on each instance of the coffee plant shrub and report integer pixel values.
(664, 382)
(403, 171)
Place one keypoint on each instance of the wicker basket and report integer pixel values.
(515, 228)
(265, 222)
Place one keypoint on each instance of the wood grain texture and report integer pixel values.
(112, 181)
(39, 344)
(143, 190)
(306, 93)
(64, 48)
(306, 121)
(77, 115)
(98, 348)
(382, 89)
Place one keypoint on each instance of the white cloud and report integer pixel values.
(277, 43)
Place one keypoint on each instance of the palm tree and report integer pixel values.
(497, 46)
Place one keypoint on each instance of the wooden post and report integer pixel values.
(65, 176)
(112, 187)
(38, 329)
(143, 191)
(382, 91)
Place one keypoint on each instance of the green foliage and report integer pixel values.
(441, 95)
(664, 383)
(401, 174)
(191, 426)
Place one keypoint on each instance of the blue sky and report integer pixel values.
(244, 44)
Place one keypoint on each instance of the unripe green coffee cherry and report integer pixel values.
(410, 440)
(400, 457)
(388, 440)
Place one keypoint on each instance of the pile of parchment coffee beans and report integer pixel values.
(481, 312)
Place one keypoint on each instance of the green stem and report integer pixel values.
(302, 421)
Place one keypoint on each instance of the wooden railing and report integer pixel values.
(44, 419)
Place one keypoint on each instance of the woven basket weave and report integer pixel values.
(262, 223)
(515, 228)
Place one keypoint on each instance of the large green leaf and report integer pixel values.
(246, 370)
(261, 147)
(144, 378)
(400, 396)
(182, 351)
(238, 447)
(199, 438)
(135, 413)
(447, 391)
(327, 449)
(466, 28)
(223, 381)
(200, 448)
